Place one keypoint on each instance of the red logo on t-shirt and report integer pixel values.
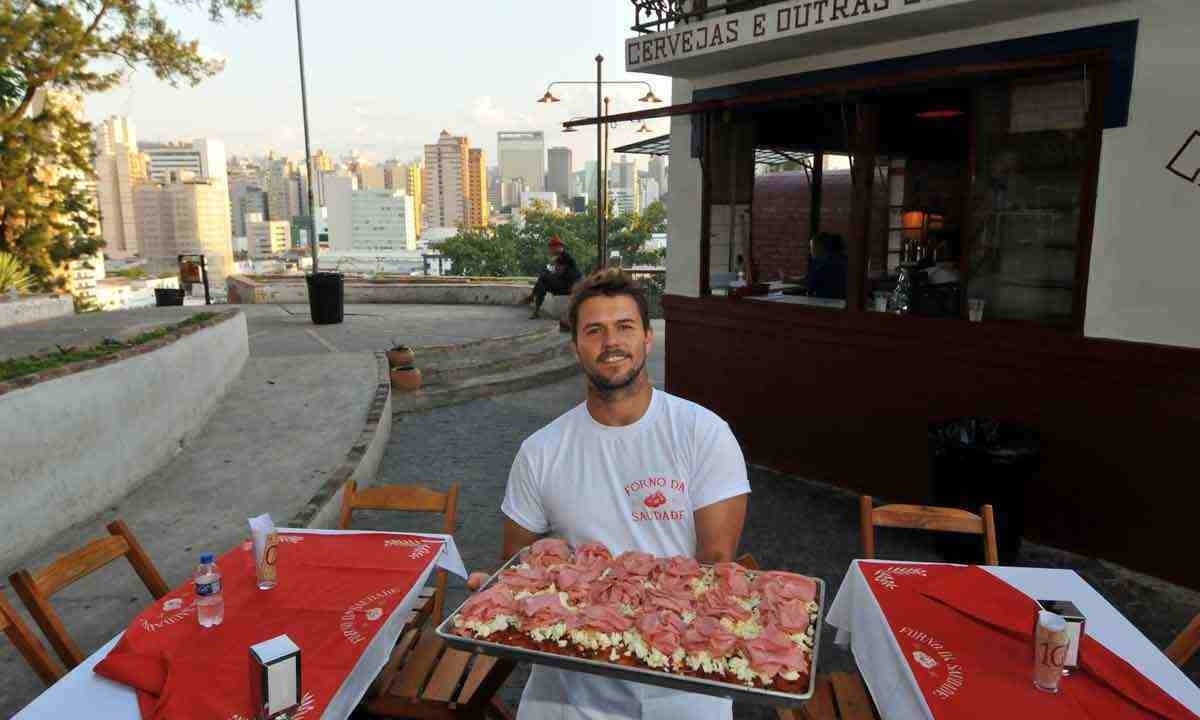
(655, 500)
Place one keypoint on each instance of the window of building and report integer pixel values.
(924, 199)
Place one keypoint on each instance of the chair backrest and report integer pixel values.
(1186, 645)
(920, 517)
(36, 588)
(411, 498)
(27, 644)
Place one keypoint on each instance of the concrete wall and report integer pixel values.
(76, 443)
(244, 290)
(32, 309)
(1143, 283)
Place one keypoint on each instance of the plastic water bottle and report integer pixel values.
(210, 606)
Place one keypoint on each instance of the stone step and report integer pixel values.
(436, 355)
(558, 367)
(464, 365)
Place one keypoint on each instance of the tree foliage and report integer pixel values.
(74, 47)
(521, 250)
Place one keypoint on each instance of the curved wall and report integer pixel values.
(79, 438)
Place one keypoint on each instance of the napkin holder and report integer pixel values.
(1075, 627)
(275, 678)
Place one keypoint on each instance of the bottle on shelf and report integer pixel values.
(210, 606)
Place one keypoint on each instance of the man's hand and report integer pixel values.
(515, 538)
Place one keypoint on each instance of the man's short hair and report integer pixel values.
(609, 282)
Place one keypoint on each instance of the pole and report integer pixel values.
(599, 169)
(604, 246)
(312, 217)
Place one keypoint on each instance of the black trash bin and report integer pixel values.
(168, 297)
(978, 461)
(326, 295)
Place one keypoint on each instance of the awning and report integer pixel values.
(661, 145)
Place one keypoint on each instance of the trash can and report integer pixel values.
(326, 296)
(977, 461)
(168, 297)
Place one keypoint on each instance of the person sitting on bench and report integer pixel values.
(557, 278)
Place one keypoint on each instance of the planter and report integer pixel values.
(326, 297)
(406, 379)
(401, 356)
(168, 297)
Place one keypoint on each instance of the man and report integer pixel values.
(557, 279)
(600, 473)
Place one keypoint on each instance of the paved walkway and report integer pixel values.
(288, 420)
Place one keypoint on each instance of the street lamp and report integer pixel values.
(601, 143)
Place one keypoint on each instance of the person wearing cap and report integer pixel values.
(557, 278)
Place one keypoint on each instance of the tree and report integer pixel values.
(54, 50)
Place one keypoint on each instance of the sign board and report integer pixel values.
(761, 25)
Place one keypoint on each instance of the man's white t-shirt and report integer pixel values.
(631, 488)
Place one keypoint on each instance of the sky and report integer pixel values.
(385, 77)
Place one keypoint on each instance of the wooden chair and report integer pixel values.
(37, 588)
(411, 498)
(423, 677)
(919, 517)
(27, 643)
(426, 679)
(838, 696)
(1186, 645)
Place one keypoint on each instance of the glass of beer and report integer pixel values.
(1050, 644)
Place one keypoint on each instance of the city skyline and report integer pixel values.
(362, 97)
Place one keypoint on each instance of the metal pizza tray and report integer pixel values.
(731, 690)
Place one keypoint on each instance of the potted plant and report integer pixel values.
(400, 356)
(406, 379)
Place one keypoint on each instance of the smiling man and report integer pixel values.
(631, 467)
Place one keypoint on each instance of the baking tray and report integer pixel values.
(650, 676)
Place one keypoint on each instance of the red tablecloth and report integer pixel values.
(335, 592)
(967, 636)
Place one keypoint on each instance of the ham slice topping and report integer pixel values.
(618, 590)
(661, 630)
(529, 579)
(548, 552)
(676, 602)
(732, 578)
(791, 616)
(589, 554)
(543, 610)
(717, 603)
(774, 652)
(485, 606)
(706, 634)
(636, 563)
(780, 587)
(602, 618)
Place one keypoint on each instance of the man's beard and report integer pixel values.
(610, 388)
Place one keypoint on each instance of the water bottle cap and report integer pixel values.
(206, 559)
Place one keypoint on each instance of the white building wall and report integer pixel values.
(338, 192)
(1142, 283)
(383, 221)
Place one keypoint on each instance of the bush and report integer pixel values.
(13, 274)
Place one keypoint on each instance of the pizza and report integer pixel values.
(720, 622)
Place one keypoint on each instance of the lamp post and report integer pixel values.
(312, 218)
(601, 144)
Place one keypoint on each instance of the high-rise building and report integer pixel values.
(275, 182)
(119, 166)
(245, 196)
(187, 215)
(446, 181)
(558, 178)
(406, 177)
(658, 172)
(322, 162)
(381, 221)
(204, 157)
(522, 156)
(494, 187)
(624, 174)
(624, 202)
(650, 192)
(370, 177)
(267, 238)
(478, 211)
(339, 188)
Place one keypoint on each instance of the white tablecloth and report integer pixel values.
(860, 623)
(84, 694)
